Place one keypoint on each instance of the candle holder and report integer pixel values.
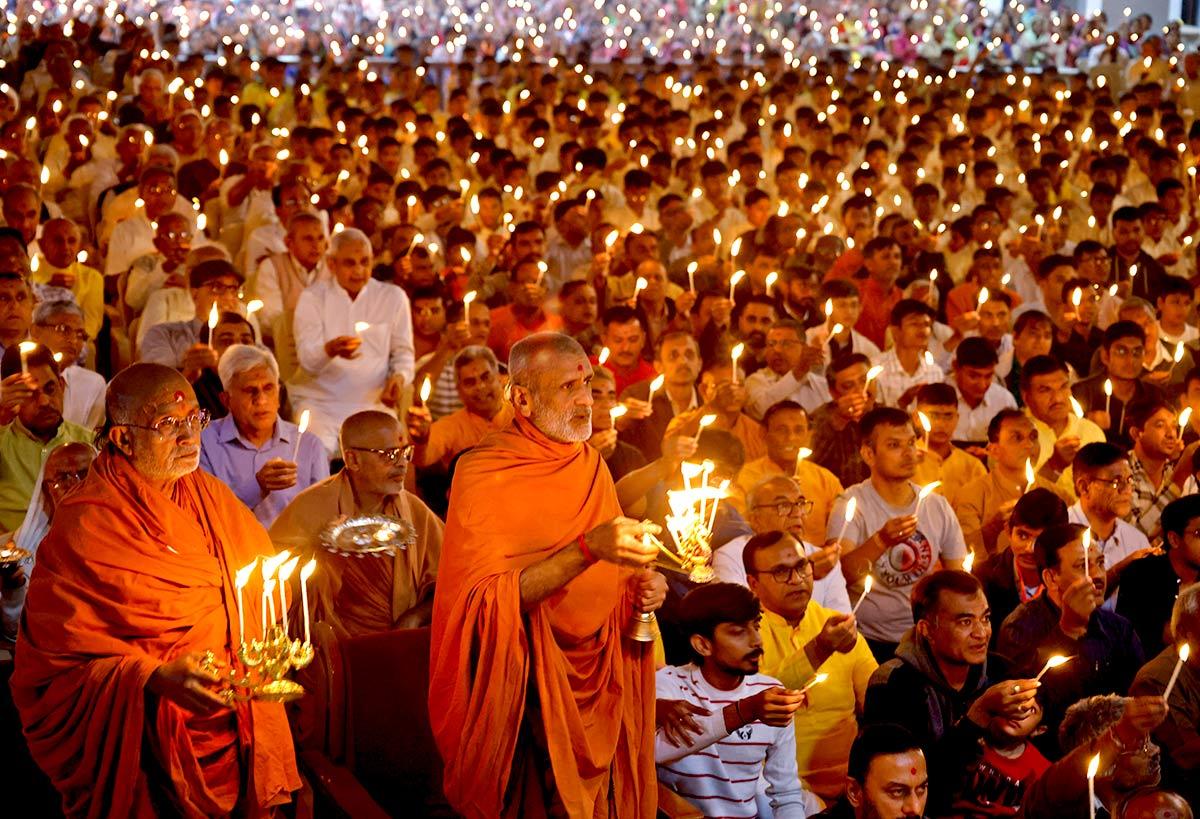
(265, 665)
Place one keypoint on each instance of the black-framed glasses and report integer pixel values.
(173, 427)
(784, 574)
(393, 454)
(68, 331)
(785, 508)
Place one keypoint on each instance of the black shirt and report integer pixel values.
(1090, 392)
(1148, 590)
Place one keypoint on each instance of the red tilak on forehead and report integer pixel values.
(912, 771)
(179, 396)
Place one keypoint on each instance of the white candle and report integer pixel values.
(655, 386)
(1108, 396)
(305, 574)
(1087, 548)
(302, 428)
(1053, 662)
(738, 349)
(851, 506)
(867, 584)
(467, 299)
(707, 420)
(240, 579)
(1093, 766)
(213, 316)
(691, 271)
(734, 281)
(1184, 651)
(285, 572)
(269, 594)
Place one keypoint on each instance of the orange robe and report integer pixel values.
(518, 498)
(360, 595)
(128, 578)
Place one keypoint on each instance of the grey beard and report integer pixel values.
(559, 427)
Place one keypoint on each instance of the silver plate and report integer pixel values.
(364, 535)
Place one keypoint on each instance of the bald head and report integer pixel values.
(370, 429)
(529, 356)
(768, 490)
(144, 390)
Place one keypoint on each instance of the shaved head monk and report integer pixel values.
(364, 596)
(540, 705)
(134, 582)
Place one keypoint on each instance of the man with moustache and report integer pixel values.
(753, 729)
(117, 704)
(538, 701)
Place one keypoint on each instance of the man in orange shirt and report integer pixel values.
(539, 703)
(484, 409)
(525, 313)
(116, 704)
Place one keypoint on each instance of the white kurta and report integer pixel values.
(83, 402)
(333, 389)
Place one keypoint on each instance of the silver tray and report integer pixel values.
(364, 535)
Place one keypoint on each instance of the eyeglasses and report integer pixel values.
(785, 508)
(68, 479)
(68, 331)
(393, 454)
(218, 289)
(784, 574)
(1115, 484)
(172, 427)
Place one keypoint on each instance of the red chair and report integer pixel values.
(363, 728)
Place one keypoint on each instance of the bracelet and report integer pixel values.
(587, 553)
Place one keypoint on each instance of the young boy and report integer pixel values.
(997, 764)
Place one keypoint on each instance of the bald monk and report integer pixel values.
(366, 595)
(115, 702)
(540, 705)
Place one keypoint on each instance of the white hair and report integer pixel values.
(55, 307)
(347, 237)
(1185, 616)
(241, 358)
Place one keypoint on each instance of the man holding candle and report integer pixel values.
(836, 444)
(186, 345)
(980, 397)
(366, 596)
(134, 721)
(677, 358)
(1159, 463)
(1122, 355)
(801, 638)
(526, 312)
(624, 336)
(542, 593)
(31, 402)
(789, 372)
(252, 450)
(1046, 391)
(1067, 619)
(942, 461)
(621, 458)
(908, 364)
(893, 537)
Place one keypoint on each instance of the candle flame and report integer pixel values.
(735, 249)
(1093, 766)
(308, 569)
(737, 351)
(270, 565)
(837, 331)
(1030, 476)
(1185, 651)
(927, 490)
(969, 561)
(426, 389)
(27, 347)
(361, 326)
(213, 315)
(467, 299)
(873, 373)
(803, 453)
(736, 278)
(828, 308)
(641, 285)
(1077, 297)
(983, 296)
(928, 427)
(1184, 418)
(1076, 407)
(604, 354)
(285, 571)
(617, 411)
(707, 420)
(657, 384)
(242, 577)
(1108, 387)
(1179, 352)
(253, 306)
(304, 416)
(1057, 660)
(772, 277)
(851, 508)
(868, 583)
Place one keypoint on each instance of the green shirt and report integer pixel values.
(21, 457)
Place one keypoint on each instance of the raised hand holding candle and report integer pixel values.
(305, 574)
(736, 353)
(285, 571)
(302, 428)
(240, 579)
(1053, 662)
(213, 316)
(1184, 651)
(851, 506)
(867, 584)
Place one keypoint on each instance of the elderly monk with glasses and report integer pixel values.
(134, 584)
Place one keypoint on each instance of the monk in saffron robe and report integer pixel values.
(134, 583)
(365, 595)
(540, 705)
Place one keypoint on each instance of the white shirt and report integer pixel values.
(131, 239)
(858, 343)
(973, 423)
(829, 591)
(734, 768)
(1124, 541)
(83, 401)
(894, 381)
(266, 288)
(765, 388)
(335, 388)
(265, 240)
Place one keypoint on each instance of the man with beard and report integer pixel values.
(539, 703)
(31, 403)
(366, 596)
(753, 318)
(484, 410)
(802, 638)
(117, 701)
(677, 358)
(753, 730)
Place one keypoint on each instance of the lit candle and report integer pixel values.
(817, 680)
(1087, 548)
(639, 286)
(26, 347)
(772, 277)
(1077, 408)
(872, 374)
(707, 420)
(803, 453)
(253, 306)
(285, 571)
(604, 354)
(305, 574)
(213, 315)
(969, 561)
(738, 349)
(983, 296)
(851, 506)
(1030, 475)
(1178, 355)
(691, 271)
(1184, 651)
(1093, 766)
(734, 280)
(735, 249)
(426, 390)
(1107, 396)
(240, 579)
(361, 327)
(302, 428)
(611, 239)
(655, 386)
(617, 411)
(925, 492)
(1184, 418)
(1076, 300)
(867, 584)
(828, 310)
(467, 299)
(1053, 662)
(926, 426)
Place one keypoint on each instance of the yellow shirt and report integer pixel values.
(954, 472)
(826, 729)
(817, 483)
(88, 290)
(1088, 433)
(976, 503)
(458, 431)
(21, 457)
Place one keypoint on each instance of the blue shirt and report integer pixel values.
(226, 455)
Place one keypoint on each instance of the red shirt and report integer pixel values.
(876, 309)
(640, 372)
(507, 329)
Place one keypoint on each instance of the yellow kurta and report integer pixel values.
(88, 290)
(1088, 433)
(826, 729)
(976, 502)
(817, 483)
(954, 472)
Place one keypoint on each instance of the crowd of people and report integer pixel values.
(924, 321)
